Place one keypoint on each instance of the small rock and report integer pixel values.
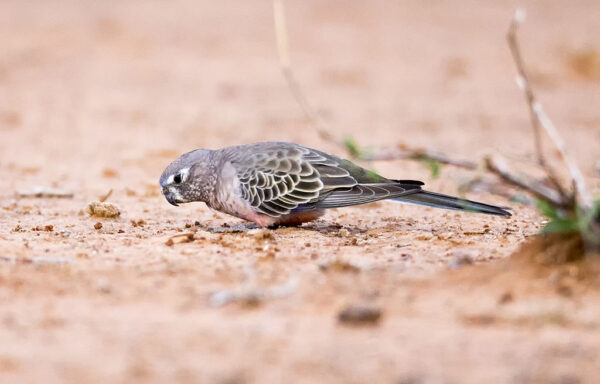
(103, 286)
(261, 234)
(339, 266)
(460, 259)
(425, 237)
(360, 315)
(109, 173)
(343, 232)
(506, 298)
(141, 223)
(103, 209)
(47, 228)
(98, 225)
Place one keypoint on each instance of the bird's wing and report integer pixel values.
(282, 178)
(365, 193)
(279, 179)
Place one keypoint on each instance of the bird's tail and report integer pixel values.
(439, 200)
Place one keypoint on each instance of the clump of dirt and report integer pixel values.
(103, 209)
(552, 249)
(545, 264)
(556, 249)
(339, 266)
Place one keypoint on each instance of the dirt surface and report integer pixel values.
(99, 96)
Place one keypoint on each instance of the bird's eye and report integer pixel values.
(177, 178)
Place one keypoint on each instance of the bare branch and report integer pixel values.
(525, 85)
(500, 168)
(497, 188)
(539, 120)
(586, 200)
(315, 119)
(418, 154)
(286, 68)
(523, 81)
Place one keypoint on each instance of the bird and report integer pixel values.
(280, 183)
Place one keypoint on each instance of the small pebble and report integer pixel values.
(343, 232)
(460, 259)
(360, 315)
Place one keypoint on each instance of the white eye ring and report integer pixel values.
(182, 175)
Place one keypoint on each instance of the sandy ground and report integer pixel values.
(97, 96)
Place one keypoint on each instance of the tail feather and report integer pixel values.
(439, 200)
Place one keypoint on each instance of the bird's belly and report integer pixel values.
(298, 218)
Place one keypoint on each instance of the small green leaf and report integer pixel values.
(561, 226)
(434, 166)
(546, 209)
(352, 147)
(596, 210)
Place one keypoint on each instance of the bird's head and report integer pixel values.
(185, 179)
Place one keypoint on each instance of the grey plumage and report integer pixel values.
(276, 180)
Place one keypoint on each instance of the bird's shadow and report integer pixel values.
(323, 228)
(240, 228)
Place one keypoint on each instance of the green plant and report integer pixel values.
(434, 166)
(355, 150)
(587, 223)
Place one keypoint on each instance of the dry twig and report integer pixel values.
(418, 154)
(286, 68)
(185, 237)
(320, 125)
(500, 168)
(105, 197)
(45, 192)
(496, 187)
(540, 119)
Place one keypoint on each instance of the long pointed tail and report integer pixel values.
(438, 200)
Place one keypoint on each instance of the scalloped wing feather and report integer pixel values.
(279, 180)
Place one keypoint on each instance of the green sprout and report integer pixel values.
(354, 148)
(434, 166)
(578, 220)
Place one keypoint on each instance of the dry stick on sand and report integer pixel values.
(537, 188)
(418, 154)
(321, 126)
(541, 120)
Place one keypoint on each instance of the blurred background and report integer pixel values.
(113, 81)
(102, 95)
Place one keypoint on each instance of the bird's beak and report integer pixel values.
(170, 197)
